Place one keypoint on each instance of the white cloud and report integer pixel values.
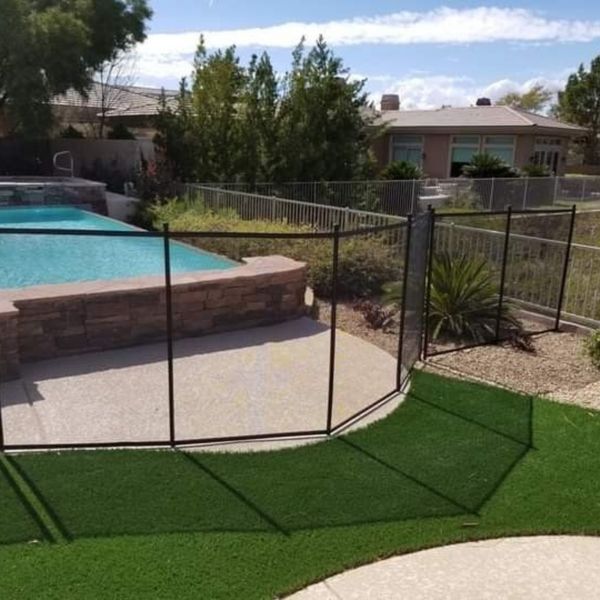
(441, 26)
(435, 91)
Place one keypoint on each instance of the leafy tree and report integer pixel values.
(217, 90)
(240, 123)
(579, 103)
(323, 133)
(258, 122)
(535, 100)
(49, 46)
(177, 139)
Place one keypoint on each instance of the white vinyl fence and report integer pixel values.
(254, 206)
(408, 197)
(535, 264)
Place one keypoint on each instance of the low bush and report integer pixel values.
(536, 171)
(401, 170)
(365, 263)
(120, 132)
(592, 348)
(376, 315)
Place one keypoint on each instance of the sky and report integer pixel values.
(431, 54)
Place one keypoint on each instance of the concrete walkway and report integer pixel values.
(532, 568)
(256, 381)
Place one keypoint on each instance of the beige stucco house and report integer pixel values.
(442, 141)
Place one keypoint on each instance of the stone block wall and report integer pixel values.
(60, 320)
(9, 348)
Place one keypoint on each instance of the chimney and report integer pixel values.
(390, 102)
(483, 102)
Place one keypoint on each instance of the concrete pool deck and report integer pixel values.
(263, 380)
(533, 568)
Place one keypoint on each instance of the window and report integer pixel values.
(408, 148)
(464, 147)
(501, 146)
(547, 153)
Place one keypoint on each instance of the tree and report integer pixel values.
(258, 122)
(535, 100)
(242, 124)
(113, 78)
(218, 85)
(579, 104)
(324, 131)
(49, 46)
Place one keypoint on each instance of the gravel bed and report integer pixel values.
(557, 370)
(352, 322)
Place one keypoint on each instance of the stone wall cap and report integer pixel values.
(7, 308)
(263, 265)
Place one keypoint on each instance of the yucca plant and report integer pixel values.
(402, 170)
(484, 166)
(464, 300)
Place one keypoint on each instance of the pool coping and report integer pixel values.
(250, 268)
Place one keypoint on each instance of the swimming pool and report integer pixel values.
(37, 259)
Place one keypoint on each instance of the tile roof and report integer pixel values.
(473, 116)
(129, 100)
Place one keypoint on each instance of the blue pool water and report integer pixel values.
(27, 260)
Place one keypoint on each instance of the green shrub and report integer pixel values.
(592, 348)
(120, 132)
(365, 263)
(70, 133)
(485, 166)
(536, 171)
(402, 170)
(464, 300)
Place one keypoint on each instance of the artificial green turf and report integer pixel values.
(454, 462)
(18, 522)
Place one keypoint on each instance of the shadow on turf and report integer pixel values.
(303, 489)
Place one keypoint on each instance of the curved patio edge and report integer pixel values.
(519, 567)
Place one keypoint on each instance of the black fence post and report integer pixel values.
(169, 307)
(565, 274)
(503, 271)
(429, 273)
(409, 223)
(334, 290)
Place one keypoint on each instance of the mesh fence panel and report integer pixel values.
(414, 296)
(90, 358)
(248, 360)
(465, 281)
(370, 279)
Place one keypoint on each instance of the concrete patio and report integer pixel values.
(534, 568)
(256, 381)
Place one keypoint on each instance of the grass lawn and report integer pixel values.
(457, 461)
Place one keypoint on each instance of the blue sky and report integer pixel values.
(429, 53)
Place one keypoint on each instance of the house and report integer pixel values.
(132, 106)
(442, 141)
